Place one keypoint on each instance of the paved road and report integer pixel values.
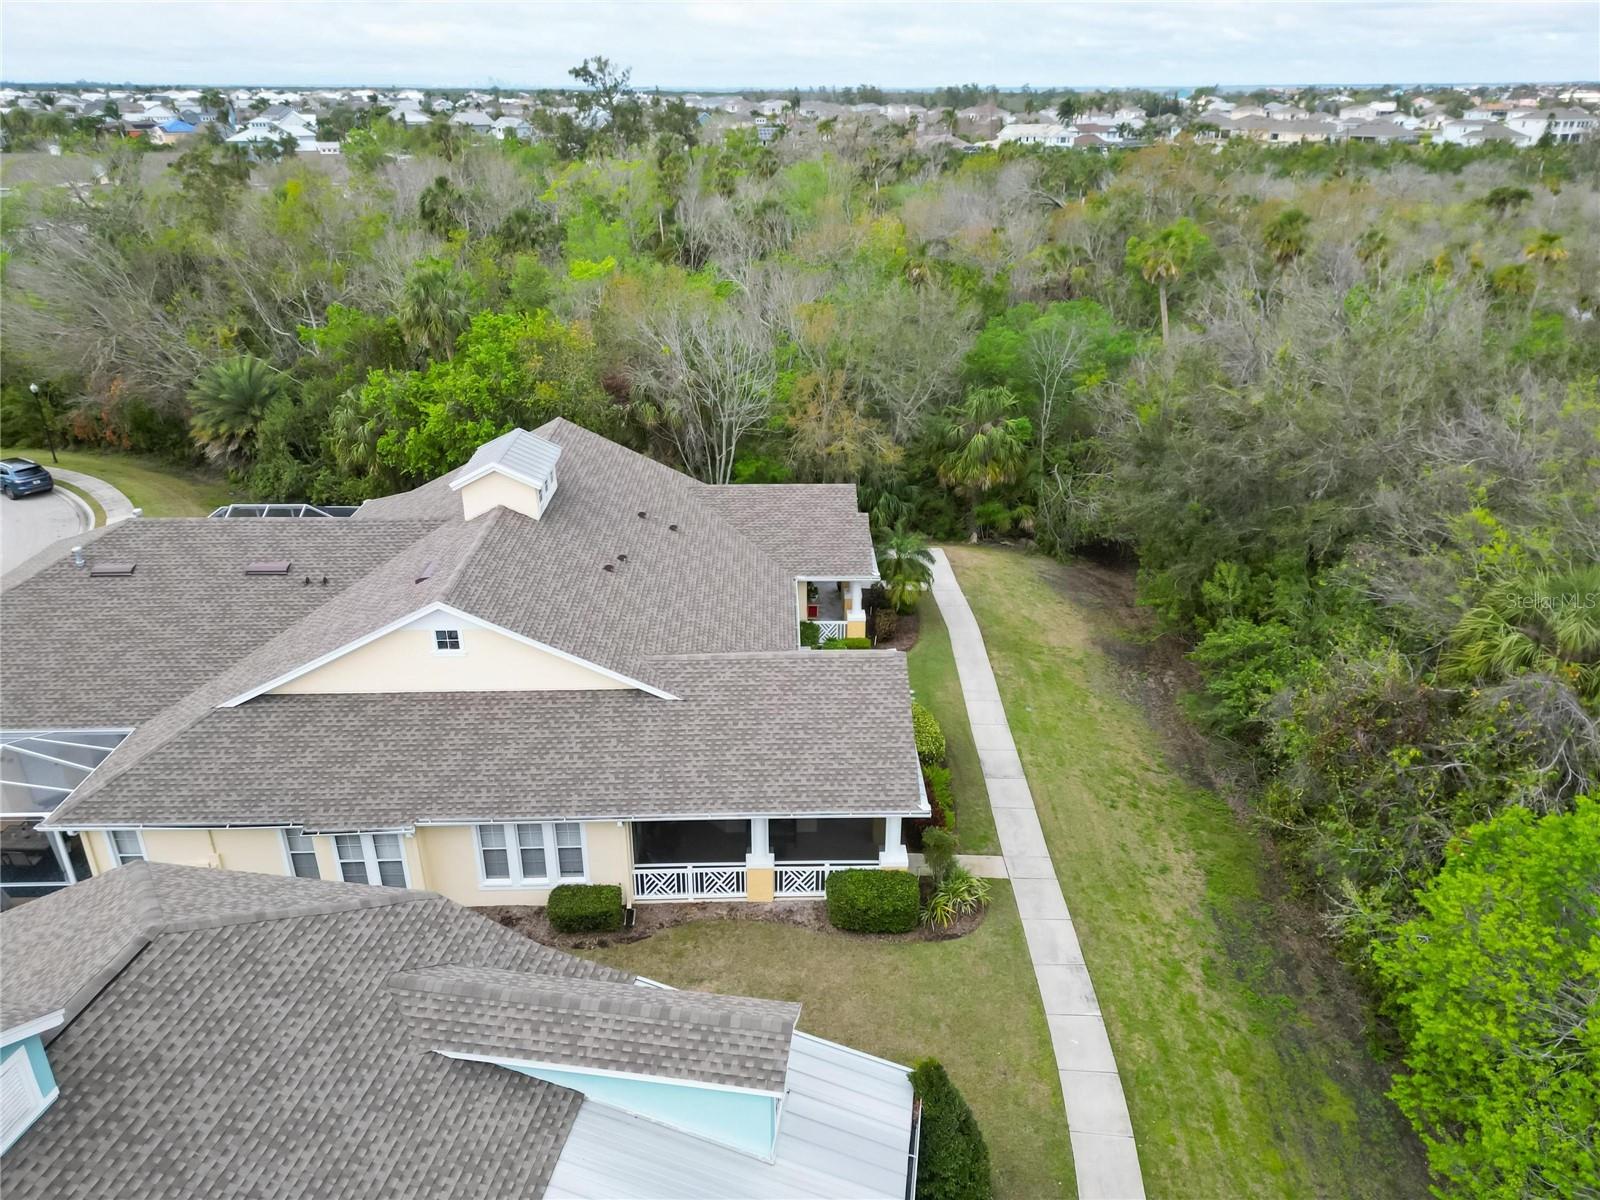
(30, 524)
(1103, 1149)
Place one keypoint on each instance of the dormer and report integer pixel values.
(517, 471)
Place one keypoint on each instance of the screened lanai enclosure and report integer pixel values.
(712, 860)
(38, 770)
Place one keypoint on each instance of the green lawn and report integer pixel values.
(972, 1003)
(1244, 1067)
(934, 680)
(94, 505)
(159, 488)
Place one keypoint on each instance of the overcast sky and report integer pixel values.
(782, 44)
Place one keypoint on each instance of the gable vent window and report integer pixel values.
(371, 858)
(126, 846)
(302, 853)
(447, 641)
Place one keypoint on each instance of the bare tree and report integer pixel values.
(708, 373)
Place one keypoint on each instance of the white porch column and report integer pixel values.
(893, 855)
(760, 845)
(852, 602)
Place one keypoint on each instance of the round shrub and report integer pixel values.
(930, 738)
(586, 908)
(873, 901)
(952, 1159)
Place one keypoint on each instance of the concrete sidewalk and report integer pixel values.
(1103, 1149)
(118, 507)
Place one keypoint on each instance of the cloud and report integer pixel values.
(710, 44)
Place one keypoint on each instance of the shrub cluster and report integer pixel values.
(586, 908)
(930, 737)
(856, 643)
(810, 634)
(873, 901)
(952, 1159)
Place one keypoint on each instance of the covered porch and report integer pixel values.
(835, 606)
(757, 859)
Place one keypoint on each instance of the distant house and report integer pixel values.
(1562, 124)
(1381, 132)
(516, 127)
(1266, 129)
(474, 119)
(173, 133)
(1464, 132)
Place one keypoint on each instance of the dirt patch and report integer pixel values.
(905, 633)
(532, 922)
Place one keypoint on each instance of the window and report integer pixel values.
(531, 865)
(126, 846)
(447, 641)
(371, 858)
(302, 854)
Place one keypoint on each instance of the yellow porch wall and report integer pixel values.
(406, 661)
(259, 850)
(855, 628)
(450, 860)
(98, 851)
(493, 490)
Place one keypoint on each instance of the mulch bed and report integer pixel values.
(532, 922)
(905, 633)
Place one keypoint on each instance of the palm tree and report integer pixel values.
(906, 565)
(439, 206)
(1504, 199)
(1163, 258)
(434, 308)
(1544, 248)
(986, 444)
(1285, 235)
(950, 120)
(1546, 622)
(227, 403)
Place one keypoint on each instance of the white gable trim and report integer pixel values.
(494, 468)
(41, 1024)
(429, 610)
(568, 1068)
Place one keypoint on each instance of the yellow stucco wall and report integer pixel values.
(258, 850)
(855, 628)
(759, 884)
(449, 856)
(406, 661)
(493, 490)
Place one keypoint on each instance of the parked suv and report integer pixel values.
(23, 477)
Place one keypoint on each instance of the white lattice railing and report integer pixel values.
(827, 630)
(810, 878)
(689, 881)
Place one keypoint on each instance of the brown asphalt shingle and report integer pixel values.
(253, 1047)
(599, 1024)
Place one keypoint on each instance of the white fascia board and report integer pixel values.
(910, 812)
(674, 1080)
(490, 469)
(425, 611)
(40, 1024)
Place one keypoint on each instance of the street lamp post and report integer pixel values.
(49, 433)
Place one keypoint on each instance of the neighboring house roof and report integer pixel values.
(177, 126)
(240, 1034)
(695, 596)
(754, 734)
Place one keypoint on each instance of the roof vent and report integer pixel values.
(111, 568)
(77, 556)
(674, 528)
(268, 566)
(642, 514)
(609, 567)
(427, 571)
(622, 558)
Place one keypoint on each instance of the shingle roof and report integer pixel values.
(120, 650)
(694, 571)
(782, 734)
(259, 1051)
(734, 1041)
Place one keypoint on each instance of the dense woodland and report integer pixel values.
(1338, 404)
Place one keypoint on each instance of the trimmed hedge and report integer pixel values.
(586, 908)
(847, 644)
(952, 1159)
(873, 901)
(930, 737)
(810, 634)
